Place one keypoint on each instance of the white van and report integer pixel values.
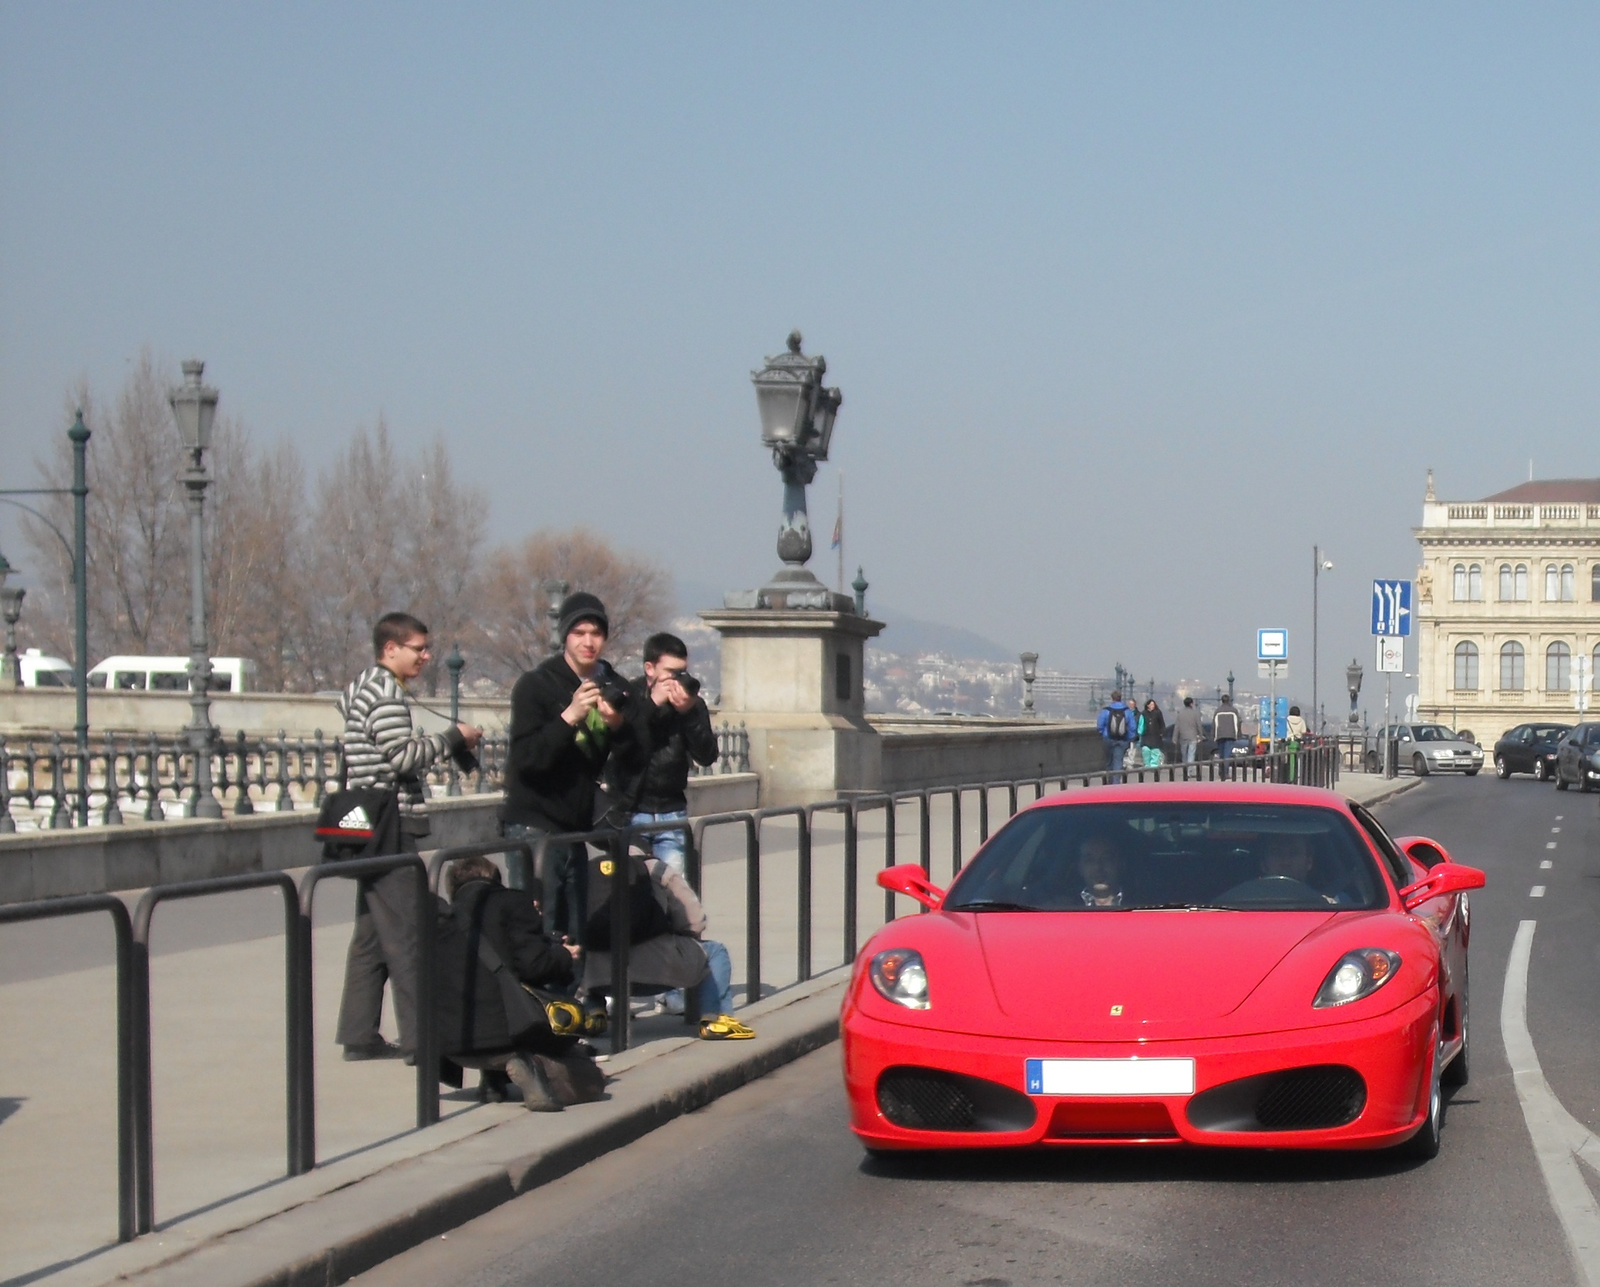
(35, 670)
(170, 674)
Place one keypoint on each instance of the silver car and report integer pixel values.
(1429, 748)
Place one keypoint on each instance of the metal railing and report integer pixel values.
(1313, 766)
(152, 777)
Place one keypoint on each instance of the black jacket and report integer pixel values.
(650, 774)
(471, 1015)
(549, 776)
(1155, 728)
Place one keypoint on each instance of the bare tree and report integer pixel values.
(443, 535)
(514, 631)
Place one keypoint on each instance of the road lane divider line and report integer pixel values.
(1555, 829)
(1536, 892)
(1546, 865)
(1549, 844)
(1559, 1139)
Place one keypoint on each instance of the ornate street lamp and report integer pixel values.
(555, 593)
(1030, 662)
(11, 609)
(797, 415)
(1352, 679)
(194, 406)
(1319, 565)
(859, 585)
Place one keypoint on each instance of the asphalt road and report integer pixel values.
(768, 1185)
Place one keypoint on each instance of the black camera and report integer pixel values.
(688, 682)
(613, 687)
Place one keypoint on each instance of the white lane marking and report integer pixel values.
(1554, 829)
(1558, 1137)
(1536, 892)
(1560, 816)
(1546, 865)
(1549, 844)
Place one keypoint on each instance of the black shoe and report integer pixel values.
(379, 1049)
(494, 1087)
(529, 1078)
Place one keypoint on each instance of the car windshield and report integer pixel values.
(1434, 733)
(1124, 857)
(1551, 732)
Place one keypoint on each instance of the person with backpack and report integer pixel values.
(1226, 728)
(1152, 734)
(1118, 726)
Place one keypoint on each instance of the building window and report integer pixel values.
(1505, 583)
(1458, 583)
(1466, 668)
(1521, 583)
(1475, 583)
(1594, 671)
(1594, 583)
(1568, 583)
(842, 687)
(1557, 668)
(1511, 661)
(1552, 583)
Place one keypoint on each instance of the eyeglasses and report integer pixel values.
(422, 649)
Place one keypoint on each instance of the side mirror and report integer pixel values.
(909, 879)
(1426, 853)
(1446, 878)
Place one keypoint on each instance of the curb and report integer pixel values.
(1399, 788)
(337, 1235)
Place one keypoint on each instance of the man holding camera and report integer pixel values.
(568, 715)
(649, 780)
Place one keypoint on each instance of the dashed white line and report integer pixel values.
(1558, 1138)
(1560, 816)
(1536, 892)
(1549, 844)
(1546, 865)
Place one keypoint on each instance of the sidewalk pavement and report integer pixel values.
(218, 1057)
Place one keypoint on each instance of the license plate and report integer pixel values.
(1109, 1076)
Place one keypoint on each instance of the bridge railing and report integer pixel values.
(1313, 766)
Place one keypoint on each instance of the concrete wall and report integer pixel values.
(53, 864)
(34, 710)
(941, 753)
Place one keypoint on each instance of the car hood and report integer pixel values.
(1060, 975)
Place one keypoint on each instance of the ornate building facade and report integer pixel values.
(1507, 610)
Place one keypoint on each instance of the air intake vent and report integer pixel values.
(1299, 1099)
(929, 1099)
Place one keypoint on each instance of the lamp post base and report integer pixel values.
(791, 588)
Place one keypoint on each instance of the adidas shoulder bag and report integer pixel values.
(360, 823)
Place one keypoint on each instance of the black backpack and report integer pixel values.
(647, 917)
(1226, 724)
(1117, 723)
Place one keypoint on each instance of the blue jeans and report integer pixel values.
(1188, 752)
(668, 846)
(716, 989)
(1116, 754)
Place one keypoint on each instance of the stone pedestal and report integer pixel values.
(794, 678)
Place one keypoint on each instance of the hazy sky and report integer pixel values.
(1130, 304)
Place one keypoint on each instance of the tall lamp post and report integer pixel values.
(78, 436)
(194, 405)
(10, 609)
(1030, 672)
(1319, 565)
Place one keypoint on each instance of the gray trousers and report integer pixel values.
(383, 947)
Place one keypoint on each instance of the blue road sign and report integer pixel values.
(1272, 645)
(1391, 608)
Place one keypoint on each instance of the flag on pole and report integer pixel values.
(838, 532)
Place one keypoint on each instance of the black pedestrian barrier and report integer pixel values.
(303, 1151)
(1309, 765)
(295, 1021)
(127, 1160)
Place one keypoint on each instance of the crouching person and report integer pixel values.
(667, 947)
(491, 949)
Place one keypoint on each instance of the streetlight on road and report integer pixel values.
(194, 405)
(10, 609)
(1319, 565)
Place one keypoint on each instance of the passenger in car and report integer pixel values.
(1099, 868)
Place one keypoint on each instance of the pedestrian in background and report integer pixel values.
(1118, 725)
(1186, 728)
(1226, 728)
(382, 751)
(1296, 725)
(1152, 734)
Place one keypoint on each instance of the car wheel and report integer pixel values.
(1419, 765)
(1424, 1145)
(1502, 770)
(1540, 772)
(1561, 782)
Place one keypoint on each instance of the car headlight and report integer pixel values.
(1358, 974)
(900, 976)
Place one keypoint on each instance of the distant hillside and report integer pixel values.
(905, 635)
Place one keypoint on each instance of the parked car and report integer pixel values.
(1529, 748)
(1258, 967)
(1427, 748)
(1578, 758)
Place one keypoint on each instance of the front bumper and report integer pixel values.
(1392, 1053)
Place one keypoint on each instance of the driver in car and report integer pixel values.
(1099, 869)
(1290, 857)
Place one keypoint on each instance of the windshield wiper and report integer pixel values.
(1180, 907)
(992, 905)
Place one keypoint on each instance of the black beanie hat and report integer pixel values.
(582, 606)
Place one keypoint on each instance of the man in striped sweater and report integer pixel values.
(382, 750)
